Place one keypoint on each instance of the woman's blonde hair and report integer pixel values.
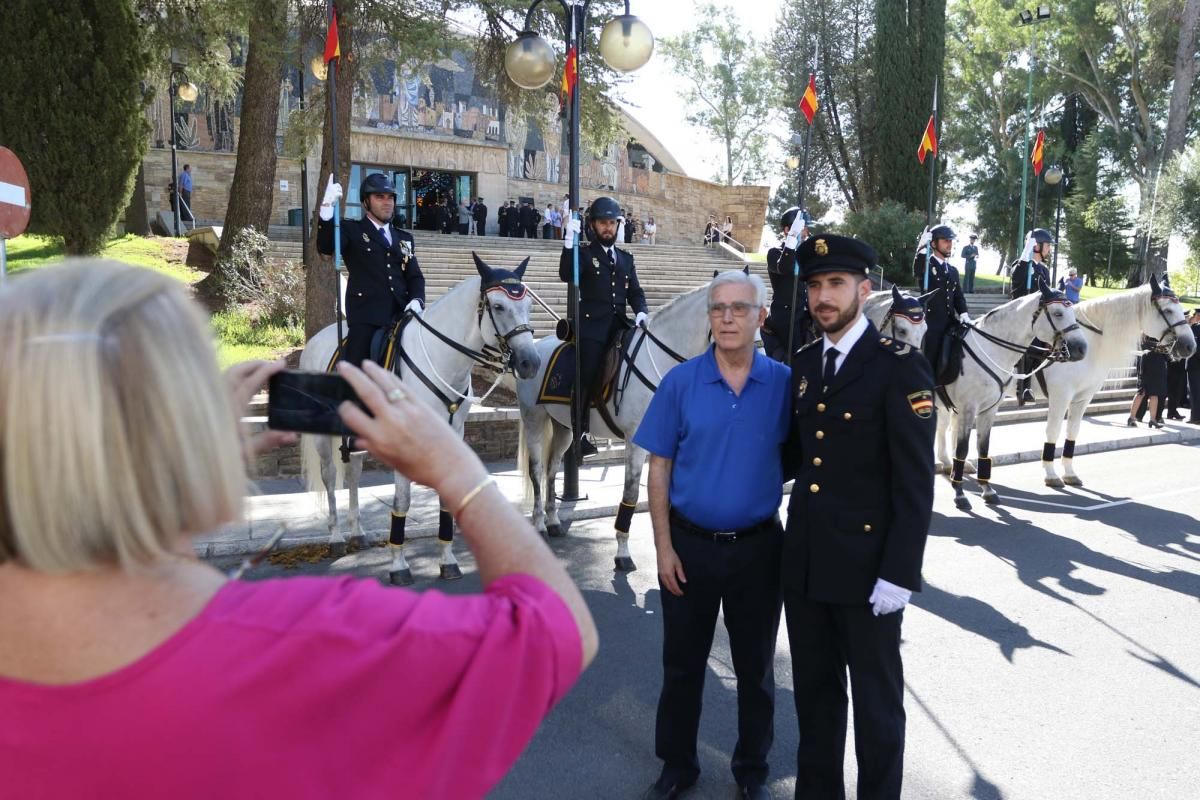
(118, 436)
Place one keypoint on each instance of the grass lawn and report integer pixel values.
(238, 337)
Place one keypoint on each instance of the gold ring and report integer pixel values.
(395, 395)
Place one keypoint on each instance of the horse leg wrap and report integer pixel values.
(445, 526)
(624, 516)
(960, 464)
(396, 536)
(1048, 452)
(1069, 448)
(983, 471)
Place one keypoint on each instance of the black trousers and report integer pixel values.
(358, 343)
(1176, 385)
(1193, 379)
(825, 640)
(743, 578)
(591, 354)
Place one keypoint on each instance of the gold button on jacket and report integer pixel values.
(814, 488)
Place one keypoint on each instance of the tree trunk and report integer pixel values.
(320, 283)
(252, 191)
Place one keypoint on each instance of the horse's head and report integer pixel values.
(1168, 320)
(907, 316)
(1054, 322)
(505, 302)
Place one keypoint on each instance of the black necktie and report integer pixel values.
(830, 367)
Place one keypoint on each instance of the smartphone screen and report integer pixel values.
(307, 402)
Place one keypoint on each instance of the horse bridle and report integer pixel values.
(1058, 346)
(1171, 326)
(916, 318)
(503, 350)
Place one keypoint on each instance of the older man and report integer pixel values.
(714, 431)
(861, 450)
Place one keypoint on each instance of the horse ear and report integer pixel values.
(483, 269)
(1046, 293)
(520, 270)
(746, 269)
(1155, 289)
(896, 299)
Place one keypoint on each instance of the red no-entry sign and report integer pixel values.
(14, 195)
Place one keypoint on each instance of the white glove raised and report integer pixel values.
(415, 306)
(888, 597)
(926, 238)
(333, 193)
(640, 319)
(791, 241)
(571, 229)
(797, 230)
(1027, 253)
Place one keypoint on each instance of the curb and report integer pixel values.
(245, 547)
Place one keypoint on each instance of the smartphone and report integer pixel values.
(307, 402)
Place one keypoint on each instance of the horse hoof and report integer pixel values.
(992, 499)
(1055, 483)
(1072, 480)
(555, 531)
(962, 504)
(358, 542)
(400, 577)
(624, 564)
(337, 549)
(450, 572)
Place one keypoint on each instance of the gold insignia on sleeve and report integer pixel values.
(802, 387)
(922, 403)
(821, 248)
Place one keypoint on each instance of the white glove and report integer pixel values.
(964, 317)
(640, 319)
(926, 238)
(794, 233)
(888, 597)
(415, 306)
(790, 242)
(1027, 253)
(333, 193)
(571, 229)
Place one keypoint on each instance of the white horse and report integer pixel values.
(1119, 321)
(898, 315)
(676, 332)
(991, 349)
(481, 320)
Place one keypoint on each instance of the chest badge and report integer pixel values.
(366, 238)
(802, 387)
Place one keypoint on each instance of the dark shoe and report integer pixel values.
(1174, 415)
(667, 788)
(1194, 421)
(753, 791)
(1027, 396)
(1130, 423)
(586, 448)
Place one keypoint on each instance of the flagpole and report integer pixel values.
(331, 87)
(574, 456)
(800, 203)
(932, 184)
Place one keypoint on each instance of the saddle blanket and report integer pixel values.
(383, 347)
(559, 381)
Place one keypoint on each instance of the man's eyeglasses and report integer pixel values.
(739, 309)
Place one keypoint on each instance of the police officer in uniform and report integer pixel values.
(781, 271)
(1027, 272)
(385, 280)
(947, 306)
(860, 448)
(1193, 373)
(607, 282)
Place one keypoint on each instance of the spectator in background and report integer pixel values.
(711, 231)
(556, 222)
(502, 219)
(1072, 285)
(479, 212)
(464, 218)
(1152, 385)
(650, 231)
(970, 256)
(621, 226)
(185, 194)
(548, 222)
(515, 227)
(631, 229)
(108, 620)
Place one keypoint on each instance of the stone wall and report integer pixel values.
(212, 175)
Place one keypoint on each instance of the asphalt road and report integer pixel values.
(1054, 652)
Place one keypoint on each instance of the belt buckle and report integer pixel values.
(725, 536)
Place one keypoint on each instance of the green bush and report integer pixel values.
(893, 231)
(275, 288)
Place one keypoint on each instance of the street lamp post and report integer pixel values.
(626, 44)
(1055, 177)
(1028, 18)
(188, 92)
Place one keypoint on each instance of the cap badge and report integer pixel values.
(821, 248)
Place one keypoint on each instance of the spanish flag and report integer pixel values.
(570, 77)
(1036, 156)
(809, 103)
(928, 141)
(333, 47)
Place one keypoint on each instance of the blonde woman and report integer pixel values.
(129, 668)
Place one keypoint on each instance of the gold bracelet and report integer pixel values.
(469, 496)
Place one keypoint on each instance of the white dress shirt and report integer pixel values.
(846, 343)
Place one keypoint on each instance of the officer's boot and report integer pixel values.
(1024, 395)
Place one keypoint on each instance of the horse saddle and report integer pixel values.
(385, 345)
(558, 384)
(950, 356)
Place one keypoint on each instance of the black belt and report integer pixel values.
(684, 525)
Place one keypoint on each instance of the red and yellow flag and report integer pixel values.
(333, 47)
(570, 76)
(809, 103)
(1038, 151)
(928, 141)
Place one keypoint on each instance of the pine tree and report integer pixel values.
(73, 111)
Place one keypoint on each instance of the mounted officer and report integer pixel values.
(385, 280)
(1027, 272)
(946, 306)
(781, 271)
(608, 282)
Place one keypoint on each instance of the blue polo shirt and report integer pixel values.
(727, 449)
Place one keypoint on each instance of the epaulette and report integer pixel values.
(813, 343)
(895, 346)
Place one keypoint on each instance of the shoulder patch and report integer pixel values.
(921, 403)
